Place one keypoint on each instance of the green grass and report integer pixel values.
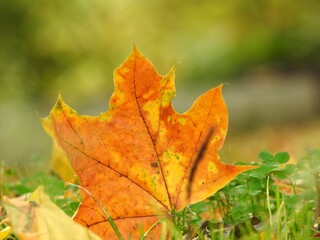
(279, 195)
(278, 200)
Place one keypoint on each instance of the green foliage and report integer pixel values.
(277, 200)
(45, 43)
(67, 197)
(278, 194)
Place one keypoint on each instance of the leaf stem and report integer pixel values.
(251, 197)
(198, 159)
(268, 202)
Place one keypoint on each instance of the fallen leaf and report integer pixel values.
(4, 233)
(36, 217)
(136, 157)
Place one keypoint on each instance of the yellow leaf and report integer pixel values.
(60, 164)
(38, 218)
(4, 233)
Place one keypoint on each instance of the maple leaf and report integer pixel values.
(136, 158)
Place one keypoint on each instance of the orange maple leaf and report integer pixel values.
(137, 157)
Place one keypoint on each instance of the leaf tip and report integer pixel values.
(38, 115)
(135, 50)
(173, 69)
(134, 46)
(244, 168)
(59, 102)
(220, 86)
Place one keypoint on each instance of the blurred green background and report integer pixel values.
(268, 53)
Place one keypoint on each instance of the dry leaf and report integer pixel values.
(60, 164)
(4, 233)
(36, 217)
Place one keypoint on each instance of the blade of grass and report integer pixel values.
(152, 226)
(104, 210)
(268, 202)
